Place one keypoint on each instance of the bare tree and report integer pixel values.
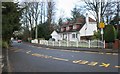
(35, 15)
(50, 12)
(25, 21)
(94, 5)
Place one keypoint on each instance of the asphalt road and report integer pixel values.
(26, 58)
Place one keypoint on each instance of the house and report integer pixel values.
(82, 28)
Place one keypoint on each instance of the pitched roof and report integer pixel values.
(91, 20)
(79, 21)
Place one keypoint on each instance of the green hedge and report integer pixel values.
(109, 33)
(5, 44)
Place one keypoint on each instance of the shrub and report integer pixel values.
(5, 44)
(109, 33)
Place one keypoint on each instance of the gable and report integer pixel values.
(54, 33)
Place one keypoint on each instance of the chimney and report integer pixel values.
(87, 19)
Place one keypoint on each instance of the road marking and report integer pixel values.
(104, 65)
(115, 53)
(117, 66)
(46, 56)
(101, 53)
(18, 50)
(108, 53)
(83, 62)
(60, 59)
(28, 52)
(76, 61)
(93, 63)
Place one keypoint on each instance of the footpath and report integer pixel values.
(77, 48)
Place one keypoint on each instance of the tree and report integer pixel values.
(109, 33)
(31, 15)
(76, 14)
(50, 13)
(96, 35)
(94, 5)
(10, 19)
(60, 21)
(43, 31)
(35, 15)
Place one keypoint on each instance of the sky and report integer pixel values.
(63, 7)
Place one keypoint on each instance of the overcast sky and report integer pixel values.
(63, 7)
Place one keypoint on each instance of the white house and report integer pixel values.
(83, 28)
(55, 35)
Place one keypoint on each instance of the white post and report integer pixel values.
(53, 43)
(104, 43)
(76, 43)
(59, 43)
(47, 43)
(40, 41)
(99, 11)
(67, 43)
(89, 44)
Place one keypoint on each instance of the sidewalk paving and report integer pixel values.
(78, 48)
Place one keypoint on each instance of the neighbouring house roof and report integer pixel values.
(54, 33)
(91, 20)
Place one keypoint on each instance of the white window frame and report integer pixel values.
(74, 26)
(74, 35)
(67, 28)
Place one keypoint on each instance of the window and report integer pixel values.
(67, 28)
(74, 26)
(73, 35)
(76, 35)
(63, 29)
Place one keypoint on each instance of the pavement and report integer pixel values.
(78, 48)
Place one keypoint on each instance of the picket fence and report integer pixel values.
(81, 43)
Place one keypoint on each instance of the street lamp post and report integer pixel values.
(101, 24)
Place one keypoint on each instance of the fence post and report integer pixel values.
(53, 43)
(47, 43)
(40, 42)
(76, 43)
(104, 43)
(89, 44)
(59, 43)
(67, 43)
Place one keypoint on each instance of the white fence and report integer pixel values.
(82, 43)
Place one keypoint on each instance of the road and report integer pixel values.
(27, 58)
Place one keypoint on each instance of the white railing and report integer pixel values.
(81, 43)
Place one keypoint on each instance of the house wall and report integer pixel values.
(69, 36)
(55, 35)
(88, 29)
(75, 38)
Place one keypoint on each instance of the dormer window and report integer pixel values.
(74, 27)
(63, 29)
(67, 28)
